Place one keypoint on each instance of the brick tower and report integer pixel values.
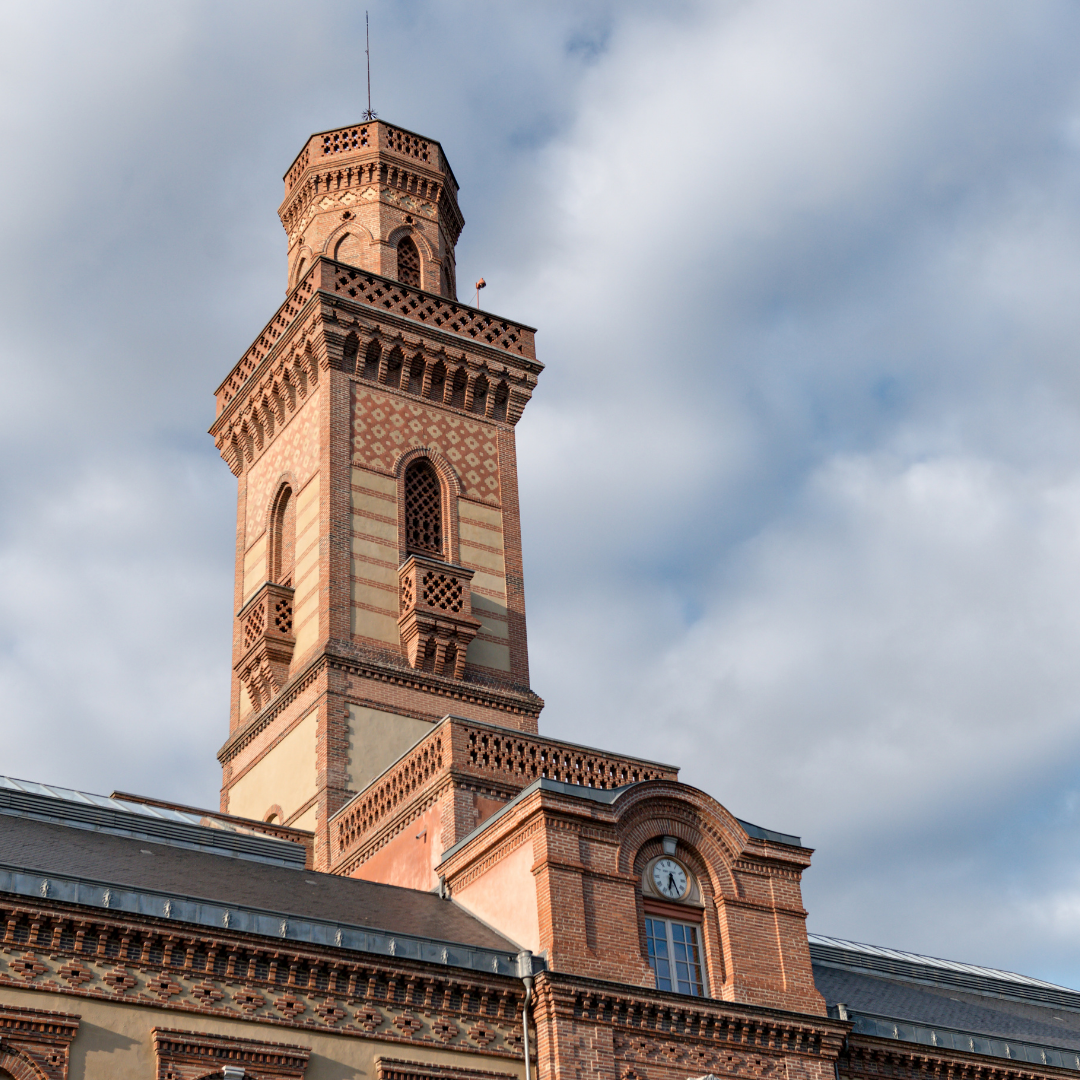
(371, 430)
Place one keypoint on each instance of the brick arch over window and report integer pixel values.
(408, 262)
(281, 554)
(411, 468)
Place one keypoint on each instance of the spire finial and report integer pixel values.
(369, 115)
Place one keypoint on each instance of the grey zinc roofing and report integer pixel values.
(899, 995)
(45, 849)
(103, 813)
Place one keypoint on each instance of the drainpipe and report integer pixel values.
(525, 970)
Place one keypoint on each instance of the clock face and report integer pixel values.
(670, 879)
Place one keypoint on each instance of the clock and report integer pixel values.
(670, 879)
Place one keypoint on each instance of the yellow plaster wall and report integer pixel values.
(285, 776)
(254, 567)
(481, 535)
(114, 1041)
(306, 568)
(376, 740)
(374, 563)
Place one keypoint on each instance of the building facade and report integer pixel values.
(405, 878)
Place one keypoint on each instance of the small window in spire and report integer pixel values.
(408, 262)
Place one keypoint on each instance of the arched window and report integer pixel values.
(349, 352)
(408, 262)
(283, 538)
(423, 510)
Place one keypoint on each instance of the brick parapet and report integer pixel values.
(464, 753)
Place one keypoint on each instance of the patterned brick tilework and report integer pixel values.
(296, 450)
(385, 426)
(186, 970)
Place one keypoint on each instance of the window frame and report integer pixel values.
(696, 961)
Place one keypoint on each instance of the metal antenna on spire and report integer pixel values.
(369, 115)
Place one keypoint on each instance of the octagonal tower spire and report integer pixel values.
(375, 197)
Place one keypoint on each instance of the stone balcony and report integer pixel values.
(266, 642)
(436, 620)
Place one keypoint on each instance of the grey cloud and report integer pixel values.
(800, 482)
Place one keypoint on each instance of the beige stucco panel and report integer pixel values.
(478, 534)
(385, 575)
(483, 580)
(285, 776)
(474, 556)
(377, 739)
(374, 624)
(372, 549)
(377, 481)
(254, 567)
(369, 526)
(115, 1042)
(488, 654)
(492, 626)
(487, 515)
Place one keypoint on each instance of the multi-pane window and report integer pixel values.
(674, 955)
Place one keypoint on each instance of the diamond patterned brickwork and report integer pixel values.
(296, 450)
(384, 426)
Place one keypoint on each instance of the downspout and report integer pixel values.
(525, 970)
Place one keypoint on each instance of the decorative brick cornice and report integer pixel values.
(522, 703)
(190, 1055)
(393, 1069)
(134, 959)
(867, 1058)
(682, 1019)
(277, 372)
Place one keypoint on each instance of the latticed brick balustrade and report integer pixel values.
(467, 751)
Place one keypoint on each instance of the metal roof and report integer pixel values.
(894, 961)
(159, 824)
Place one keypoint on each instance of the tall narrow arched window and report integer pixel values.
(408, 262)
(283, 538)
(423, 510)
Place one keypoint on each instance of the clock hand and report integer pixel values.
(671, 882)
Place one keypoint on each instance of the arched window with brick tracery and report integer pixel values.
(408, 262)
(283, 538)
(423, 510)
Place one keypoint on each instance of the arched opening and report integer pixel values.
(502, 399)
(416, 375)
(461, 381)
(438, 381)
(480, 395)
(371, 361)
(393, 367)
(301, 266)
(348, 354)
(283, 538)
(408, 262)
(348, 250)
(423, 510)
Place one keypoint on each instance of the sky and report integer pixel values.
(800, 482)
